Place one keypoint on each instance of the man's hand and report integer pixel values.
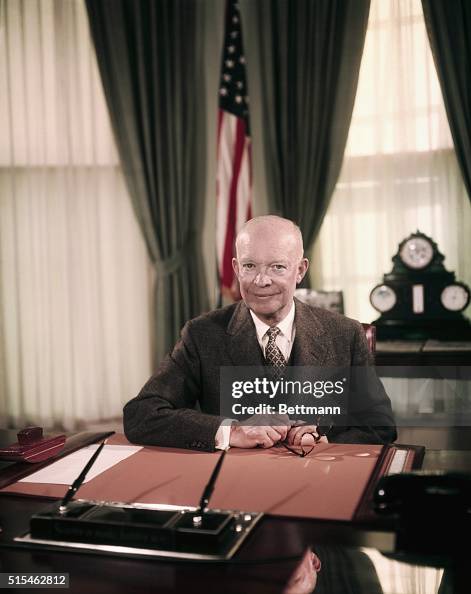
(296, 435)
(260, 430)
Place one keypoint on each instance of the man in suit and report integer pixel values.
(180, 405)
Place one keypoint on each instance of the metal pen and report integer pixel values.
(75, 486)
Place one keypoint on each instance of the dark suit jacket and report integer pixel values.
(165, 411)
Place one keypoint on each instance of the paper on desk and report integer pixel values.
(66, 470)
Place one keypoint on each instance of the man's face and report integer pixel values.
(269, 265)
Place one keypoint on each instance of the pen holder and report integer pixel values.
(137, 530)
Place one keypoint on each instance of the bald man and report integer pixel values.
(180, 405)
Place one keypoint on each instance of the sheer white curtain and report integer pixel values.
(400, 173)
(74, 274)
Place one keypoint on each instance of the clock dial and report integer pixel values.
(383, 298)
(417, 253)
(455, 297)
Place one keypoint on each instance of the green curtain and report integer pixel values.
(303, 59)
(151, 59)
(448, 25)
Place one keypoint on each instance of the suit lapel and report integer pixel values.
(312, 347)
(243, 348)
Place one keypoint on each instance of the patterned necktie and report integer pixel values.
(273, 355)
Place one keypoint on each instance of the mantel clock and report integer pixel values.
(419, 298)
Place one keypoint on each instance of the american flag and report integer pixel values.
(234, 167)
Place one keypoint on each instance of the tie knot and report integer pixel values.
(273, 332)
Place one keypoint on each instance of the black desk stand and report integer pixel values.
(141, 530)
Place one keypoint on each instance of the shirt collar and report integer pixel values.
(286, 324)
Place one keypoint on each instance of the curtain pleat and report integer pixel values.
(151, 60)
(303, 59)
(449, 30)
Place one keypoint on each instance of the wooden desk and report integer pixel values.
(427, 353)
(279, 542)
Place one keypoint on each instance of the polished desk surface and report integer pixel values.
(264, 565)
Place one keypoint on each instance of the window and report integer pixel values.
(400, 172)
(74, 274)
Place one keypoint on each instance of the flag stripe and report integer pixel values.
(243, 187)
(227, 272)
(224, 177)
(234, 174)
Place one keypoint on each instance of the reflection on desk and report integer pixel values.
(331, 570)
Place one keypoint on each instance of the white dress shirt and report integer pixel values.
(284, 340)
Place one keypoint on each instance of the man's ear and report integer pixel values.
(302, 269)
(235, 267)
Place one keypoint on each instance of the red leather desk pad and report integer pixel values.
(327, 484)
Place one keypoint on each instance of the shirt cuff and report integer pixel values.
(223, 435)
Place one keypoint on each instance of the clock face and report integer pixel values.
(383, 298)
(416, 253)
(455, 297)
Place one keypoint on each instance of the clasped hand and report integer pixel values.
(266, 431)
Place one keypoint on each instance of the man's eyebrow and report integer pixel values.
(269, 263)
